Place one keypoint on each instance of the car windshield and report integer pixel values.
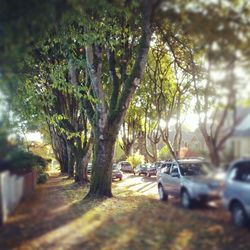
(195, 168)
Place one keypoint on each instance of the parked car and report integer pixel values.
(151, 170)
(154, 167)
(141, 169)
(164, 164)
(193, 180)
(116, 173)
(125, 167)
(236, 197)
(89, 168)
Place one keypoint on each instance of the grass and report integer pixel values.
(132, 221)
(59, 218)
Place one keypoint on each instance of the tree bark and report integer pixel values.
(101, 179)
(81, 168)
(71, 161)
(60, 149)
(214, 156)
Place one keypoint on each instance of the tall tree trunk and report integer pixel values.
(211, 145)
(214, 155)
(141, 145)
(101, 179)
(127, 148)
(71, 161)
(81, 163)
(59, 148)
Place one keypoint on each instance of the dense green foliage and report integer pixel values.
(75, 67)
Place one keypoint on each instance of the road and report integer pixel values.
(141, 184)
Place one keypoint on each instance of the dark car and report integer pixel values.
(116, 173)
(236, 197)
(141, 169)
(153, 168)
(125, 167)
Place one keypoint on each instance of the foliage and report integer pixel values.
(87, 58)
(42, 177)
(119, 153)
(14, 157)
(164, 153)
(17, 159)
(135, 159)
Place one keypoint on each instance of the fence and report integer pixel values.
(13, 188)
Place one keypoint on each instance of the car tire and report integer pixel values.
(120, 179)
(239, 216)
(162, 194)
(186, 200)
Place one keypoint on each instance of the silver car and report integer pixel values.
(236, 196)
(191, 179)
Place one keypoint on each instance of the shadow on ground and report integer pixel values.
(58, 218)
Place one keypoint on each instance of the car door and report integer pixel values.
(164, 176)
(245, 178)
(174, 180)
(240, 183)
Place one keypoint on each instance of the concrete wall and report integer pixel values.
(13, 188)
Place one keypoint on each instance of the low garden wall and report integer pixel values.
(13, 188)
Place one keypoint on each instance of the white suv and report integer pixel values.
(191, 179)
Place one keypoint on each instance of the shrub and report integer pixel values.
(17, 159)
(42, 178)
(135, 159)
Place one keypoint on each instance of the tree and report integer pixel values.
(121, 51)
(167, 87)
(131, 127)
(217, 87)
(218, 50)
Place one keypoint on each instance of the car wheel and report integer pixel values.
(186, 201)
(239, 215)
(162, 194)
(120, 179)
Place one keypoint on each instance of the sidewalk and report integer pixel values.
(46, 210)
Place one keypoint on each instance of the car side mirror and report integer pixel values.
(175, 175)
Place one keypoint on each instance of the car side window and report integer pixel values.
(174, 169)
(241, 172)
(166, 169)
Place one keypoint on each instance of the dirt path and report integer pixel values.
(32, 221)
(44, 221)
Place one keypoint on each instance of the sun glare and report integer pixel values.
(191, 121)
(35, 136)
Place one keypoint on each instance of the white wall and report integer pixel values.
(12, 190)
